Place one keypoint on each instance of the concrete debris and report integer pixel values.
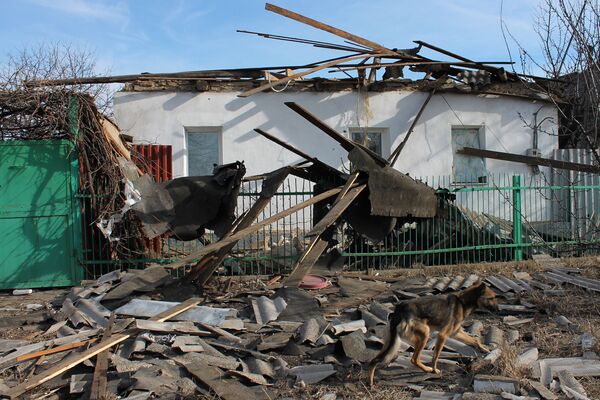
(495, 384)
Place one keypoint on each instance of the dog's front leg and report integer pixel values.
(439, 345)
(470, 340)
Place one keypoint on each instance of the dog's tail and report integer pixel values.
(397, 325)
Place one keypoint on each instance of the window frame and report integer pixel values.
(384, 135)
(218, 130)
(482, 146)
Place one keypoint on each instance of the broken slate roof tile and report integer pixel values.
(266, 310)
(310, 374)
(358, 325)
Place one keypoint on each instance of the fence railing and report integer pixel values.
(506, 218)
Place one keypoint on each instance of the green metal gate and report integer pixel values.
(40, 222)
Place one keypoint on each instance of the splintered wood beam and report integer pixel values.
(394, 156)
(546, 162)
(99, 379)
(76, 359)
(346, 143)
(202, 272)
(285, 145)
(297, 75)
(214, 247)
(339, 203)
(461, 58)
(333, 30)
(321, 230)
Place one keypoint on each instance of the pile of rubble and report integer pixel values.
(120, 337)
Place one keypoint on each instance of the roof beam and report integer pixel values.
(546, 162)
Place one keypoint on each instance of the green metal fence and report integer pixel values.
(509, 217)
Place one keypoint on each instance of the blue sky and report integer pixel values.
(180, 35)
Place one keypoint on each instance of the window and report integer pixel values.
(203, 150)
(468, 169)
(370, 138)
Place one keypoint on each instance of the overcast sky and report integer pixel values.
(182, 35)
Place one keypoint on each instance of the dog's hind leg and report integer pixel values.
(387, 354)
(420, 336)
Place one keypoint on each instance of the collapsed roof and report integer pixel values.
(359, 66)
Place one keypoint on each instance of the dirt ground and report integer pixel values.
(579, 306)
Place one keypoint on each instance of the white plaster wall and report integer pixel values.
(161, 117)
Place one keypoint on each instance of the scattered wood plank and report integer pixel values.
(77, 359)
(57, 349)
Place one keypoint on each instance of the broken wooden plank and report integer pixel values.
(336, 31)
(99, 379)
(346, 143)
(77, 359)
(546, 162)
(297, 75)
(214, 247)
(319, 243)
(57, 349)
(202, 271)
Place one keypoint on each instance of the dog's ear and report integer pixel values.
(481, 287)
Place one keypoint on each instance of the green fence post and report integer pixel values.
(517, 221)
(77, 240)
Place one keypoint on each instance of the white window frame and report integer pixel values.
(383, 132)
(482, 146)
(194, 130)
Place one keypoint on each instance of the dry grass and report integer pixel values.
(506, 364)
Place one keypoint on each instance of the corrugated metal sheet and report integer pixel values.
(157, 161)
(578, 208)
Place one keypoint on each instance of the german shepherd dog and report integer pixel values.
(414, 319)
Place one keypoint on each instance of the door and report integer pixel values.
(39, 218)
